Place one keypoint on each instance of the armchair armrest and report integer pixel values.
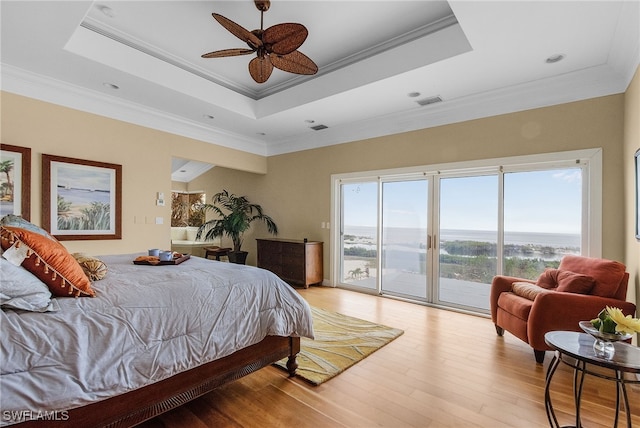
(563, 311)
(501, 284)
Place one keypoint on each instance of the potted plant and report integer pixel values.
(235, 215)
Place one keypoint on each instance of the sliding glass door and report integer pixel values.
(405, 238)
(440, 236)
(542, 219)
(359, 234)
(468, 238)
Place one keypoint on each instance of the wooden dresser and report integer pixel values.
(295, 261)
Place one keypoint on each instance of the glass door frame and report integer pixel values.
(336, 267)
(429, 179)
(434, 280)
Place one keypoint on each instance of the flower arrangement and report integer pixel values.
(613, 321)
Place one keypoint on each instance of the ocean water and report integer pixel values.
(84, 197)
(6, 208)
(401, 236)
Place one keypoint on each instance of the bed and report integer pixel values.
(152, 338)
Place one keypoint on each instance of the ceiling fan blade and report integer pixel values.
(238, 31)
(282, 39)
(228, 52)
(295, 62)
(260, 68)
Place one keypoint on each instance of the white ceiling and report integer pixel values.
(482, 58)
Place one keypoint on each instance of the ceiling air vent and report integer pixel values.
(431, 100)
(318, 127)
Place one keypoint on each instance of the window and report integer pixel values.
(358, 247)
(468, 237)
(542, 219)
(439, 233)
(187, 209)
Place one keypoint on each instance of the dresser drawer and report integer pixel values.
(295, 261)
(293, 250)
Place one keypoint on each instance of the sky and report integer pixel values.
(536, 201)
(82, 176)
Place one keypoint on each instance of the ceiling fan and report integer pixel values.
(274, 47)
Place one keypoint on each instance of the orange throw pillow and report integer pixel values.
(49, 261)
(571, 282)
(548, 279)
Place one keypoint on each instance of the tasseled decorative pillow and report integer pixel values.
(94, 268)
(49, 261)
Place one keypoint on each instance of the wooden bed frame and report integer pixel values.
(137, 406)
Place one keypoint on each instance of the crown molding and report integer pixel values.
(584, 84)
(54, 91)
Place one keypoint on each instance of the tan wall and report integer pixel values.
(145, 156)
(631, 144)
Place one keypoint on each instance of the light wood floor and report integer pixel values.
(447, 370)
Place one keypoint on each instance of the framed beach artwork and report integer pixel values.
(15, 181)
(637, 160)
(81, 199)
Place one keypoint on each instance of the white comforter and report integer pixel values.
(145, 324)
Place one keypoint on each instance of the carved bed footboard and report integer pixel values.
(139, 405)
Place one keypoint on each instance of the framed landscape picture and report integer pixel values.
(15, 181)
(81, 199)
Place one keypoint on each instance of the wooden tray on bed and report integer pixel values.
(175, 261)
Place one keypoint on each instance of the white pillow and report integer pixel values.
(20, 289)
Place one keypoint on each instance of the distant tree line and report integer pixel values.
(360, 252)
(477, 261)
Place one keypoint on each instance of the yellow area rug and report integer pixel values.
(341, 341)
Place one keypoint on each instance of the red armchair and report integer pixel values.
(578, 290)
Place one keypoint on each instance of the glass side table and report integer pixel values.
(576, 350)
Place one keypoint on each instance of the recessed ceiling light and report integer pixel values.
(555, 58)
(413, 94)
(261, 133)
(208, 116)
(110, 85)
(106, 10)
(310, 121)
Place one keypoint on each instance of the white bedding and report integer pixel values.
(145, 324)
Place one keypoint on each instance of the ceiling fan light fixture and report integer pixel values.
(274, 47)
